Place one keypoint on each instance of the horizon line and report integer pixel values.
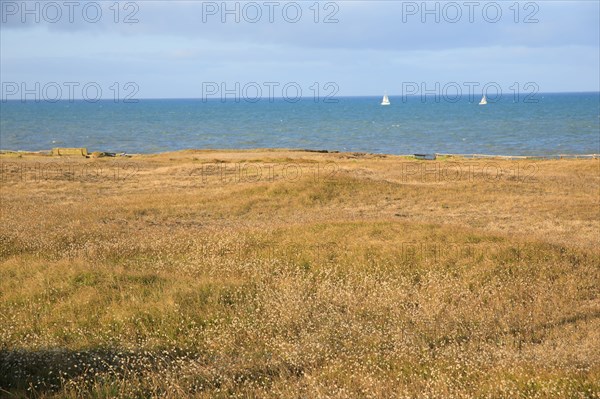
(240, 99)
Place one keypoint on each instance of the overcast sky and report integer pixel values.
(169, 49)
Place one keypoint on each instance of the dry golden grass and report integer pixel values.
(329, 275)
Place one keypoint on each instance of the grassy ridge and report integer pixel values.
(292, 274)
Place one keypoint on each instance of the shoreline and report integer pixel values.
(418, 156)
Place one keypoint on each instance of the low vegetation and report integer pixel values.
(299, 274)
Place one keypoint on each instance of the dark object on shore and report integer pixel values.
(101, 154)
(427, 157)
(321, 151)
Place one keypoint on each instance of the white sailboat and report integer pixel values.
(385, 100)
(483, 100)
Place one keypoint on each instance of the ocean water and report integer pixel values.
(555, 124)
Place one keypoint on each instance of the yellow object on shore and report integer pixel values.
(70, 152)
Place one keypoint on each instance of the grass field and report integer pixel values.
(288, 274)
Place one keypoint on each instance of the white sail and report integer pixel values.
(386, 100)
(483, 100)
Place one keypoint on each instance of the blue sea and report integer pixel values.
(565, 123)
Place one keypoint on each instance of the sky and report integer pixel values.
(190, 49)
